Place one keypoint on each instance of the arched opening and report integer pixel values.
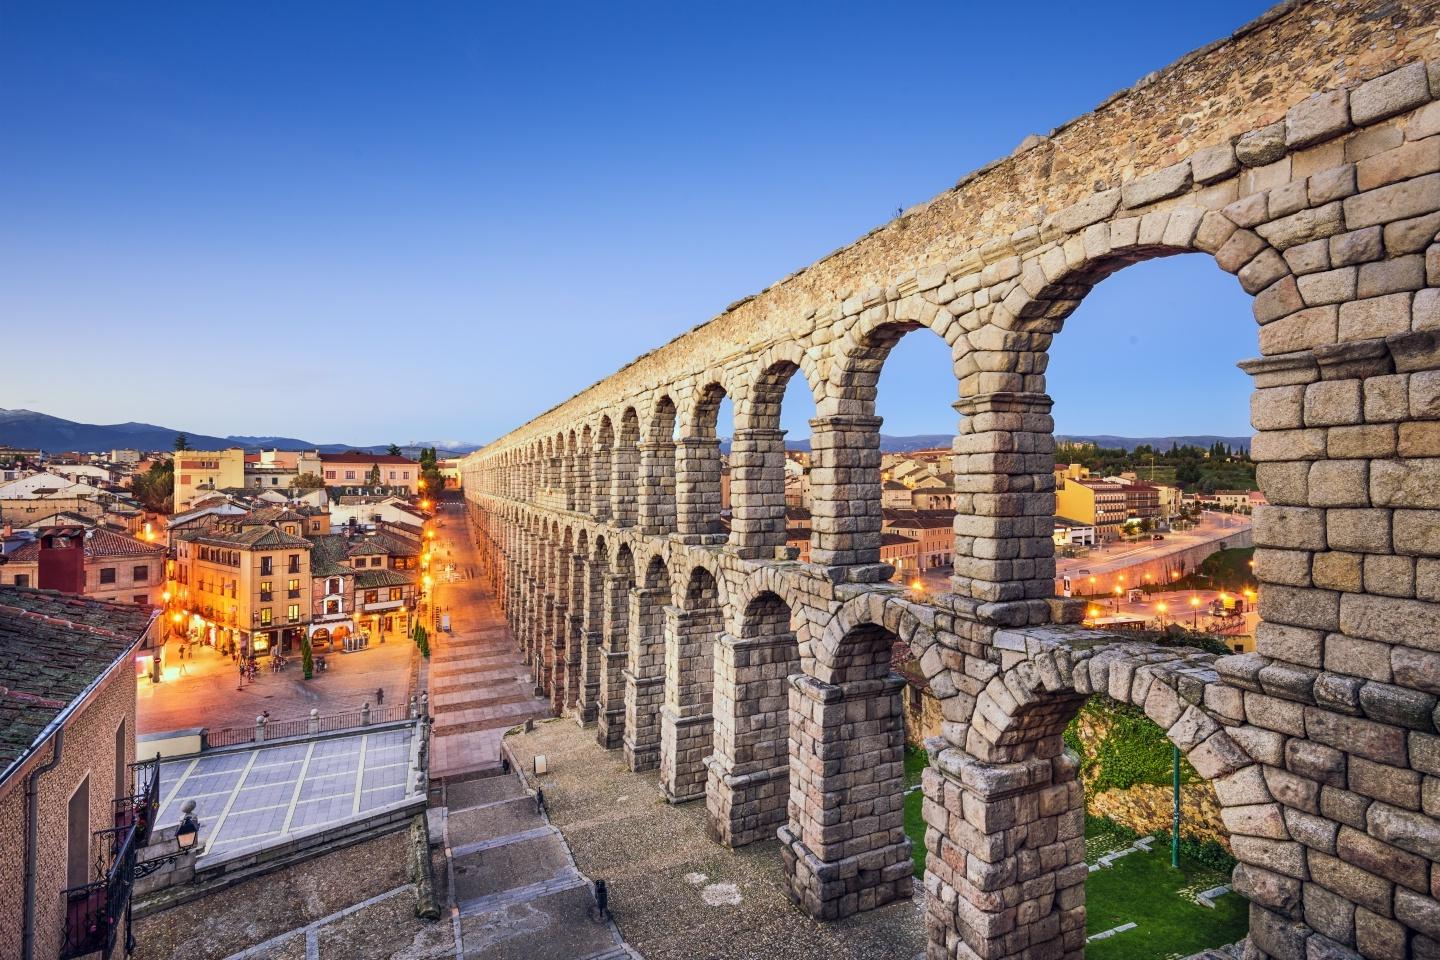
(645, 668)
(692, 631)
(700, 497)
(569, 461)
(619, 583)
(770, 465)
(657, 470)
(844, 844)
(749, 782)
(601, 467)
(625, 475)
(592, 631)
(584, 455)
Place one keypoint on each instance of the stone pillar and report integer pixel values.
(567, 480)
(600, 483)
(581, 502)
(749, 771)
(625, 485)
(614, 646)
(588, 703)
(555, 643)
(845, 496)
(550, 667)
(686, 722)
(645, 678)
(757, 493)
(845, 848)
(657, 487)
(1006, 857)
(1005, 491)
(697, 489)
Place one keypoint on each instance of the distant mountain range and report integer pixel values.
(31, 430)
(942, 441)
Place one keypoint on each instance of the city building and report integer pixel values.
(932, 530)
(67, 693)
(39, 495)
(113, 566)
(200, 471)
(243, 584)
(129, 458)
(1073, 533)
(358, 469)
(1095, 503)
(271, 469)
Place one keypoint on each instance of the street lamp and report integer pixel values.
(1117, 599)
(1161, 608)
(1194, 611)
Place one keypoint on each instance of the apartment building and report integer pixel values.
(1095, 503)
(200, 471)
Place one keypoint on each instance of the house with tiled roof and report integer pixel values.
(358, 469)
(67, 742)
(115, 566)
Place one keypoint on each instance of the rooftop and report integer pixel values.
(52, 646)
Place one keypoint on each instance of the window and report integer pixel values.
(395, 593)
(290, 529)
(22, 579)
(265, 617)
(372, 596)
(332, 585)
(407, 474)
(332, 607)
(329, 474)
(314, 526)
(293, 612)
(292, 589)
(392, 474)
(266, 594)
(122, 783)
(274, 481)
(140, 599)
(294, 566)
(141, 573)
(349, 474)
(77, 845)
(267, 566)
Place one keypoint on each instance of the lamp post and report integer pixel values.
(1161, 608)
(1194, 611)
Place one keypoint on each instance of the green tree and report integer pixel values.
(182, 442)
(308, 481)
(307, 657)
(374, 479)
(155, 488)
(394, 450)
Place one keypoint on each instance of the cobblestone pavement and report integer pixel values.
(479, 687)
(206, 695)
(675, 894)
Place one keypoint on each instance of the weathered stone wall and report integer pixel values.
(1303, 156)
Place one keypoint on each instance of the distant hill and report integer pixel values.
(28, 429)
(942, 441)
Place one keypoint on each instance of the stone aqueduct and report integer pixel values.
(1303, 155)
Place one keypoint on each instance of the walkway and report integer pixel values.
(479, 687)
(675, 894)
(515, 891)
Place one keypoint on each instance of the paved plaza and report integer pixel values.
(209, 693)
(251, 798)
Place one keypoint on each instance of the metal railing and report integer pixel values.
(264, 730)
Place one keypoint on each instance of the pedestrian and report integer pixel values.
(379, 696)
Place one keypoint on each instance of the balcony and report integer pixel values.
(95, 912)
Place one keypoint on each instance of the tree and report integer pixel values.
(182, 442)
(155, 488)
(1187, 473)
(374, 478)
(307, 657)
(308, 481)
(394, 450)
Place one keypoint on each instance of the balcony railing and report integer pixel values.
(94, 912)
(305, 726)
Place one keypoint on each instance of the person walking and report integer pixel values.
(379, 696)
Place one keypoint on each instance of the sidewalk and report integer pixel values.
(479, 688)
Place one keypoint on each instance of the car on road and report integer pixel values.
(1158, 536)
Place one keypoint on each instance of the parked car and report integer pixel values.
(1158, 536)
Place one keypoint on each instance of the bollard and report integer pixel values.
(365, 715)
(412, 708)
(260, 729)
(314, 720)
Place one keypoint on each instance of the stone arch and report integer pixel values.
(625, 470)
(1015, 759)
(749, 769)
(697, 464)
(583, 502)
(645, 663)
(618, 585)
(601, 468)
(693, 627)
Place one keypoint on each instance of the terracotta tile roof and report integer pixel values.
(52, 646)
(365, 458)
(101, 543)
(367, 579)
(249, 538)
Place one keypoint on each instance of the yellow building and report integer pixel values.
(1092, 503)
(201, 471)
(245, 585)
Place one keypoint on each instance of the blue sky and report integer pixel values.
(362, 222)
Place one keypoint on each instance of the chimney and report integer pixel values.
(62, 559)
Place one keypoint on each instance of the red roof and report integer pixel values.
(100, 544)
(364, 458)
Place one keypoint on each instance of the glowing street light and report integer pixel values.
(1194, 611)
(1161, 608)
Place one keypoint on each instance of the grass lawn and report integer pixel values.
(1226, 568)
(915, 762)
(1142, 888)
